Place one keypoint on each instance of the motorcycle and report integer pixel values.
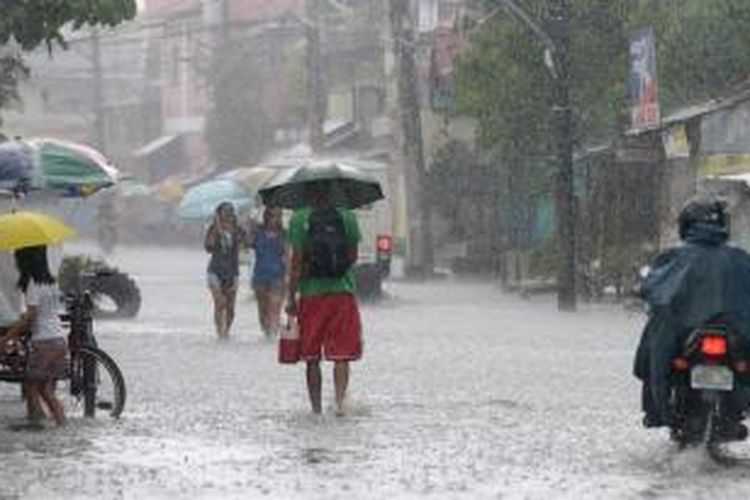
(706, 397)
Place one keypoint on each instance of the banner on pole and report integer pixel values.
(644, 103)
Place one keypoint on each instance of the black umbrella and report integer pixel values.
(343, 186)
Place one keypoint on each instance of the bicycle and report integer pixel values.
(95, 382)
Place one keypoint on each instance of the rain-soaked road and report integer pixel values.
(463, 393)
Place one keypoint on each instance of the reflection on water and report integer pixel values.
(316, 456)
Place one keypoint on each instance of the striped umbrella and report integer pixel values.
(16, 167)
(72, 170)
(63, 168)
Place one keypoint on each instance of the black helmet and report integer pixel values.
(706, 215)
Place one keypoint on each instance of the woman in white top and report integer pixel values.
(47, 346)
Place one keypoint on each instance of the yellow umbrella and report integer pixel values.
(27, 229)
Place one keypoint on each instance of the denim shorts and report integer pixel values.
(277, 286)
(214, 281)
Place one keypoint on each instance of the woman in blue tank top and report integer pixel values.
(269, 271)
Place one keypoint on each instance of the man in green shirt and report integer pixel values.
(327, 310)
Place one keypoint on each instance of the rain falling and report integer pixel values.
(364, 249)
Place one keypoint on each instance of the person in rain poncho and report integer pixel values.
(687, 286)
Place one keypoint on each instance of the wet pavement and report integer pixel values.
(463, 392)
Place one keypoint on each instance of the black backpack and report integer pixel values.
(327, 253)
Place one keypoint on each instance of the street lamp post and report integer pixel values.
(557, 42)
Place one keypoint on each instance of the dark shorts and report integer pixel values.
(48, 360)
(330, 326)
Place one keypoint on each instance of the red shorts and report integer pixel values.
(330, 324)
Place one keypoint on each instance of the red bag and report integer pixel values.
(289, 345)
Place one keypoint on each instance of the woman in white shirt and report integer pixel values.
(47, 346)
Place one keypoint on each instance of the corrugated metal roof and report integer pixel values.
(693, 111)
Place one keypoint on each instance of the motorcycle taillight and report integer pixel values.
(712, 345)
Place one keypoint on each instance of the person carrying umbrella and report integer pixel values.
(324, 237)
(223, 240)
(29, 234)
(324, 240)
(48, 347)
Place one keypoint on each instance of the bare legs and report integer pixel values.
(340, 383)
(224, 301)
(273, 312)
(34, 411)
(261, 297)
(231, 298)
(315, 384)
(270, 301)
(41, 390)
(219, 308)
(47, 393)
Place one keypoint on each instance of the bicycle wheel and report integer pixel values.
(96, 384)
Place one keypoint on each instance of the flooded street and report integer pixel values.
(463, 392)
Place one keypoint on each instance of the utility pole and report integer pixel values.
(107, 223)
(316, 98)
(421, 252)
(561, 116)
(99, 136)
(557, 42)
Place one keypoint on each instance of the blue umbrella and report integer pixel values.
(200, 201)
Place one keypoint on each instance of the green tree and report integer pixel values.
(30, 23)
(12, 71)
(504, 83)
(703, 50)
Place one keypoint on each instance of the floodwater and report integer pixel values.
(463, 393)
